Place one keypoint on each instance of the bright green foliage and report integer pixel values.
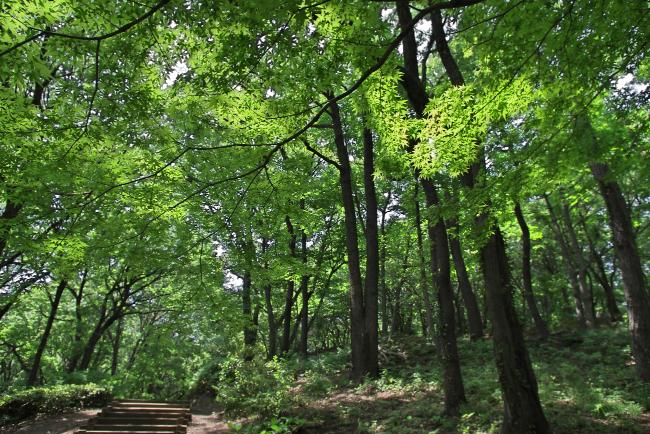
(154, 156)
(51, 400)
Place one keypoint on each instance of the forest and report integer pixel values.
(329, 216)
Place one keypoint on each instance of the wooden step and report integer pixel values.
(109, 420)
(138, 431)
(131, 427)
(140, 417)
(145, 404)
(140, 412)
(152, 409)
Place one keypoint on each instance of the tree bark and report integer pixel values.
(600, 274)
(371, 289)
(357, 313)
(428, 306)
(529, 295)
(288, 303)
(624, 239)
(78, 324)
(522, 408)
(568, 262)
(270, 317)
(304, 295)
(382, 269)
(117, 341)
(585, 292)
(32, 378)
(474, 321)
(250, 329)
(454, 390)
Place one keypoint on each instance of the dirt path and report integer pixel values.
(59, 424)
(202, 423)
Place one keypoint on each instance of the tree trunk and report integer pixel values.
(454, 390)
(93, 340)
(357, 320)
(423, 272)
(568, 263)
(288, 303)
(78, 324)
(304, 295)
(250, 329)
(522, 408)
(382, 270)
(372, 258)
(600, 274)
(540, 325)
(115, 357)
(273, 330)
(585, 292)
(54, 307)
(474, 321)
(453, 387)
(624, 239)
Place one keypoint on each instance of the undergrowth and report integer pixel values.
(587, 384)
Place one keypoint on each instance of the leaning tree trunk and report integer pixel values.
(624, 239)
(522, 408)
(54, 307)
(529, 295)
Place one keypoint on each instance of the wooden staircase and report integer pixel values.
(133, 416)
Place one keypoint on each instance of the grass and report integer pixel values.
(586, 382)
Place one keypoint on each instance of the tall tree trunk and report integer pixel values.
(600, 274)
(273, 330)
(372, 258)
(250, 323)
(540, 324)
(568, 262)
(304, 295)
(474, 321)
(78, 323)
(382, 269)
(424, 282)
(624, 239)
(54, 307)
(454, 390)
(288, 303)
(522, 408)
(115, 357)
(357, 320)
(585, 292)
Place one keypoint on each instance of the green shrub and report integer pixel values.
(255, 387)
(51, 400)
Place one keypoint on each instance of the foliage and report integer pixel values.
(51, 400)
(254, 388)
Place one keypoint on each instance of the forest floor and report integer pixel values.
(587, 384)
